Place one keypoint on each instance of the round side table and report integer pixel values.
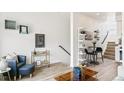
(5, 71)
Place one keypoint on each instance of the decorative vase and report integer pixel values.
(3, 64)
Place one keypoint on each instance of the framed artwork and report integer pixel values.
(9, 24)
(23, 29)
(39, 40)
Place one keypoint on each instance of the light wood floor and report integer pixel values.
(107, 71)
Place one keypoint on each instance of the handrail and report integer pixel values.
(105, 37)
(64, 49)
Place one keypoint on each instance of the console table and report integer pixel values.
(41, 58)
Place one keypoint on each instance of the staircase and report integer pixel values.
(110, 51)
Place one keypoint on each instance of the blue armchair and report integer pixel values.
(12, 63)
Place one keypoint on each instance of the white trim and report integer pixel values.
(71, 37)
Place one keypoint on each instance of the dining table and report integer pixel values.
(92, 49)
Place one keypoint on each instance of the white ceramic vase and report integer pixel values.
(3, 64)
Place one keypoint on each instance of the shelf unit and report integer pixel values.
(41, 58)
(119, 53)
(81, 47)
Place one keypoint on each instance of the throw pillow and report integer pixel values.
(16, 57)
(13, 56)
(9, 57)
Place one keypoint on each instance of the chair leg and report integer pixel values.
(87, 57)
(20, 76)
(14, 78)
(2, 77)
(31, 75)
(90, 57)
(96, 57)
(102, 57)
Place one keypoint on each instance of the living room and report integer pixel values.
(17, 40)
(41, 40)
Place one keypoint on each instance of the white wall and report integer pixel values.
(0, 45)
(123, 39)
(91, 23)
(55, 26)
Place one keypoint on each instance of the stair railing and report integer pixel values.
(104, 43)
(105, 38)
(64, 49)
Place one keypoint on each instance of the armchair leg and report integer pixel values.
(30, 75)
(14, 78)
(20, 76)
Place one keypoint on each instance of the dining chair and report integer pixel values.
(89, 55)
(99, 50)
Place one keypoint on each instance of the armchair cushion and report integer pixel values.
(27, 69)
(20, 64)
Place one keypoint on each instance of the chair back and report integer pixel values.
(86, 51)
(99, 49)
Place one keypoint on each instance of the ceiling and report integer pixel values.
(96, 15)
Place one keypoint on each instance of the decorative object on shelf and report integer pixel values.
(120, 41)
(89, 35)
(38, 62)
(83, 32)
(39, 40)
(10, 24)
(40, 58)
(96, 37)
(3, 64)
(23, 29)
(35, 52)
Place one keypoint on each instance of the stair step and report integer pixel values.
(110, 47)
(109, 53)
(110, 50)
(111, 42)
(109, 57)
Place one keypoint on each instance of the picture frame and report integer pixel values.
(10, 24)
(23, 29)
(39, 40)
